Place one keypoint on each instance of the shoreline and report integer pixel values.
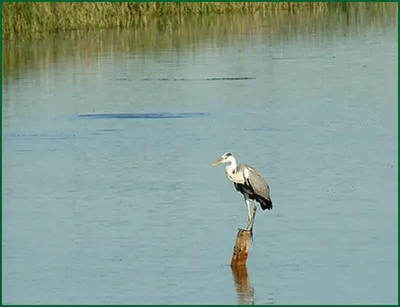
(41, 19)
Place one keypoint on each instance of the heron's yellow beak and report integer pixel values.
(217, 162)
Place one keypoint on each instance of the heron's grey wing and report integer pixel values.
(256, 181)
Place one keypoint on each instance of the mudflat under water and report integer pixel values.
(108, 138)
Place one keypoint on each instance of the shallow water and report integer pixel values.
(122, 206)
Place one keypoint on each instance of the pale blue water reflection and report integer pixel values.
(104, 210)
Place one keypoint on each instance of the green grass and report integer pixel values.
(38, 19)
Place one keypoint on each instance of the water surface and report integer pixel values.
(127, 209)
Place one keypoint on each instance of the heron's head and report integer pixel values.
(225, 158)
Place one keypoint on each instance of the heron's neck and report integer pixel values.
(230, 171)
(231, 167)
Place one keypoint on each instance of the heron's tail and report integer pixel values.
(266, 204)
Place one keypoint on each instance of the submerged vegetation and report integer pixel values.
(38, 19)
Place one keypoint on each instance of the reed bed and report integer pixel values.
(38, 19)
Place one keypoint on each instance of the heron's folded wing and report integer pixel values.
(257, 182)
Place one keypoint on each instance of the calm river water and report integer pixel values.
(123, 206)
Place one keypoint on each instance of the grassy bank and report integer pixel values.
(38, 19)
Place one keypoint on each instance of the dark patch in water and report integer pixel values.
(300, 58)
(28, 136)
(196, 79)
(109, 130)
(143, 115)
(266, 129)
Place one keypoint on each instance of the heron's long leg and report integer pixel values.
(254, 214)
(253, 218)
(247, 201)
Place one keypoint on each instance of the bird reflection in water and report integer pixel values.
(244, 290)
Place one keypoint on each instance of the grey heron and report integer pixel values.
(248, 181)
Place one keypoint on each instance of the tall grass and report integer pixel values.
(32, 19)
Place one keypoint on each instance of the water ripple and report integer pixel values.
(161, 115)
